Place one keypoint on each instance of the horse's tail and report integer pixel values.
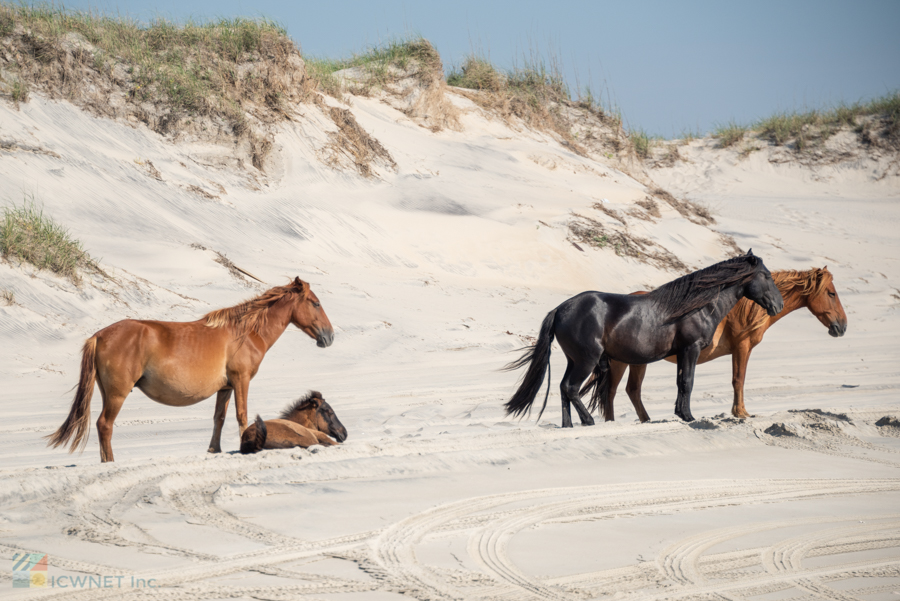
(255, 444)
(78, 425)
(599, 383)
(537, 357)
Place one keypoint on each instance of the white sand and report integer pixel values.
(432, 275)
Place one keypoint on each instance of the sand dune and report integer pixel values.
(432, 273)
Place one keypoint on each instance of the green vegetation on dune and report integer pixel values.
(810, 129)
(382, 65)
(27, 235)
(195, 68)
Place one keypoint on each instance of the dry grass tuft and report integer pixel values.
(593, 233)
(351, 143)
(690, 210)
(29, 236)
(650, 206)
(7, 297)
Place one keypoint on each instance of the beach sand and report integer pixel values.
(433, 275)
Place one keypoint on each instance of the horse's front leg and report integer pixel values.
(739, 359)
(687, 362)
(241, 389)
(222, 398)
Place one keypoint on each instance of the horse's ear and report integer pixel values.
(301, 286)
(750, 253)
(751, 258)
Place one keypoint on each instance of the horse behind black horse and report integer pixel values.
(678, 318)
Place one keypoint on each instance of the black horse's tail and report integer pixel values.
(255, 441)
(537, 357)
(598, 383)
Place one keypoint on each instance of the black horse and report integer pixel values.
(678, 318)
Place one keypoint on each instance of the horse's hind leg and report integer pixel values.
(633, 388)
(222, 398)
(576, 373)
(616, 371)
(112, 404)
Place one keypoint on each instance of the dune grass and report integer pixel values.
(536, 82)
(642, 142)
(729, 134)
(812, 128)
(192, 67)
(28, 235)
(382, 64)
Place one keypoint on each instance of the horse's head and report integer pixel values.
(825, 304)
(326, 421)
(313, 412)
(761, 289)
(308, 315)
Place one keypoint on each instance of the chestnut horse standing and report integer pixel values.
(183, 363)
(741, 330)
(306, 422)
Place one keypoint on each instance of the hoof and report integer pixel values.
(587, 422)
(685, 416)
(213, 450)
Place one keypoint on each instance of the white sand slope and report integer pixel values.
(432, 274)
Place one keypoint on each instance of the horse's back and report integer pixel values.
(626, 327)
(285, 434)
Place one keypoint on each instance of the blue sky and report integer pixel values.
(669, 67)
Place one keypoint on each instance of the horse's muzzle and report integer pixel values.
(775, 307)
(340, 435)
(324, 339)
(837, 329)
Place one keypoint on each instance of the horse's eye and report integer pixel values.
(831, 294)
(316, 305)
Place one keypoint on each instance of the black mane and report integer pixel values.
(694, 291)
(301, 404)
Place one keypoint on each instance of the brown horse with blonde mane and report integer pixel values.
(741, 330)
(306, 422)
(183, 363)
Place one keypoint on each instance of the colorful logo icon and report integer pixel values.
(29, 570)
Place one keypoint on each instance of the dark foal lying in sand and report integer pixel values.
(306, 422)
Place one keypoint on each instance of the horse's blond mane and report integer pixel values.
(791, 284)
(251, 315)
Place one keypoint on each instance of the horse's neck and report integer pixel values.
(793, 299)
(277, 320)
(300, 417)
(725, 302)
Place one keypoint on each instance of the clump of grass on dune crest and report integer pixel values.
(805, 130)
(380, 65)
(642, 142)
(217, 68)
(27, 235)
(730, 134)
(532, 92)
